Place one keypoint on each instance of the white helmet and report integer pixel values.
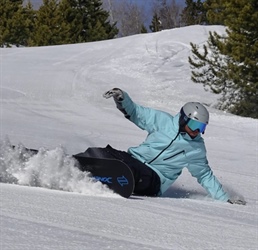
(195, 116)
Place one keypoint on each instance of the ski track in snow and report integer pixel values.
(175, 222)
(53, 102)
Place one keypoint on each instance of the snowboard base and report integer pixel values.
(111, 172)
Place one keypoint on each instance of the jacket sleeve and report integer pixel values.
(141, 116)
(209, 182)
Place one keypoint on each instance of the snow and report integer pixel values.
(51, 99)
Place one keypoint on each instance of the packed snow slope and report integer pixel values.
(51, 99)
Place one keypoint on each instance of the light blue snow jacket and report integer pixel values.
(162, 128)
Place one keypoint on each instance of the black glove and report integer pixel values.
(236, 201)
(116, 93)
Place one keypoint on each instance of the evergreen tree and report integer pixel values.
(242, 47)
(50, 26)
(193, 13)
(144, 30)
(88, 21)
(229, 64)
(30, 17)
(155, 23)
(16, 23)
(215, 10)
(10, 12)
(209, 68)
(24, 25)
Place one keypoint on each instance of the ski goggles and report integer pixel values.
(193, 125)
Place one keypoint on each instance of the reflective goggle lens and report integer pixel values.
(193, 125)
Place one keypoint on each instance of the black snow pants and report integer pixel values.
(147, 181)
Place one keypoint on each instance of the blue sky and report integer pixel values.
(148, 3)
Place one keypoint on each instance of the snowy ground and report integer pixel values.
(51, 98)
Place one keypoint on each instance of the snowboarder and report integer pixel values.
(172, 143)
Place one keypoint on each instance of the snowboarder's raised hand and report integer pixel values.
(238, 202)
(116, 93)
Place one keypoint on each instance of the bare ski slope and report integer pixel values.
(51, 98)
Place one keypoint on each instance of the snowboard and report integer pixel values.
(111, 172)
